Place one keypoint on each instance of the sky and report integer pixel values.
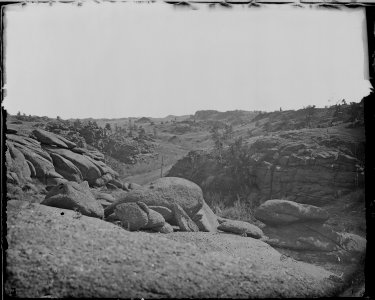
(113, 60)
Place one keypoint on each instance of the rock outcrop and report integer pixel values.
(302, 227)
(52, 159)
(52, 253)
(306, 166)
(74, 196)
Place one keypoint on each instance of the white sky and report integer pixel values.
(125, 59)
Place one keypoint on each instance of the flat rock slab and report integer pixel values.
(240, 227)
(50, 138)
(52, 253)
(276, 212)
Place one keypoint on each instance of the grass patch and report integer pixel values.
(241, 210)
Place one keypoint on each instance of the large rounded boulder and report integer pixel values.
(165, 192)
(133, 216)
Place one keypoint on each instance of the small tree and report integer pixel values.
(141, 132)
(228, 132)
(155, 132)
(309, 113)
(108, 127)
(77, 124)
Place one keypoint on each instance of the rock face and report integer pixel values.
(74, 196)
(165, 192)
(133, 216)
(278, 212)
(51, 254)
(306, 166)
(243, 228)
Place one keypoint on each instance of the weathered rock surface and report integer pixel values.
(164, 192)
(165, 212)
(53, 253)
(206, 219)
(103, 196)
(74, 196)
(52, 139)
(18, 168)
(183, 220)
(96, 155)
(52, 160)
(89, 171)
(166, 228)
(66, 168)
(240, 227)
(303, 236)
(278, 212)
(155, 220)
(132, 215)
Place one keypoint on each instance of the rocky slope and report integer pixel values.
(91, 234)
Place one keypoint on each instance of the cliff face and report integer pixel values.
(312, 166)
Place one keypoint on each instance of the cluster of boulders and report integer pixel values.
(165, 205)
(302, 227)
(58, 253)
(175, 201)
(53, 159)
